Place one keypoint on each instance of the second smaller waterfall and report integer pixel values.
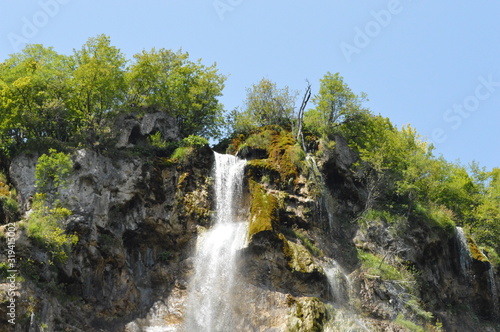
(464, 252)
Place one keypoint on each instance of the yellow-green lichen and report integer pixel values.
(476, 253)
(285, 156)
(301, 235)
(281, 151)
(307, 314)
(377, 266)
(299, 258)
(263, 210)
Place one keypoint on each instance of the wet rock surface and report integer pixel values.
(138, 219)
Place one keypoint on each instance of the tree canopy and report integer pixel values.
(189, 90)
(265, 104)
(71, 98)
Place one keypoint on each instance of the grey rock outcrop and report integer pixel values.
(132, 130)
(134, 221)
(137, 219)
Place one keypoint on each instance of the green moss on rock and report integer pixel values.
(476, 253)
(263, 210)
(299, 258)
(307, 314)
(284, 155)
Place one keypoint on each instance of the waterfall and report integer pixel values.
(343, 317)
(211, 289)
(339, 284)
(326, 197)
(494, 293)
(465, 256)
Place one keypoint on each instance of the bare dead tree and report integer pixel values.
(300, 116)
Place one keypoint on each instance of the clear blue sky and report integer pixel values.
(432, 64)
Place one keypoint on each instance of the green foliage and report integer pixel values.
(302, 237)
(44, 226)
(187, 146)
(491, 254)
(384, 218)
(181, 154)
(381, 215)
(486, 226)
(261, 139)
(401, 321)
(335, 104)
(52, 171)
(9, 207)
(8, 204)
(34, 88)
(98, 84)
(4, 267)
(375, 265)
(265, 105)
(416, 307)
(157, 141)
(438, 216)
(263, 210)
(194, 141)
(46, 96)
(187, 90)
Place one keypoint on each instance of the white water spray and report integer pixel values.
(210, 303)
(494, 293)
(326, 197)
(340, 284)
(344, 318)
(465, 256)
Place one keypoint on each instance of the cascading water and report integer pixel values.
(339, 284)
(344, 317)
(494, 293)
(465, 256)
(211, 290)
(326, 197)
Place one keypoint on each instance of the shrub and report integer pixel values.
(437, 216)
(375, 265)
(157, 141)
(52, 171)
(401, 321)
(181, 154)
(9, 207)
(4, 268)
(44, 226)
(302, 237)
(260, 140)
(8, 204)
(194, 141)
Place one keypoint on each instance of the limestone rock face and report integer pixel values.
(133, 130)
(134, 221)
(310, 263)
(22, 173)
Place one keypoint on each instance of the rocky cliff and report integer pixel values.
(315, 260)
